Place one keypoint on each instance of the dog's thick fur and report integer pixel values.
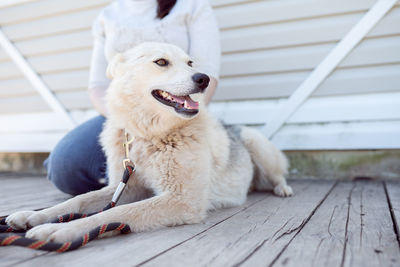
(186, 164)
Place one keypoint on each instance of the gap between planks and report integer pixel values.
(392, 213)
(116, 244)
(289, 234)
(353, 227)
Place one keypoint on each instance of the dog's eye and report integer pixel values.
(162, 62)
(190, 63)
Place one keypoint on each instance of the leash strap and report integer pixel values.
(18, 238)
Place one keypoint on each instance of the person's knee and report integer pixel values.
(77, 162)
(63, 171)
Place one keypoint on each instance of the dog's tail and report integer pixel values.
(270, 163)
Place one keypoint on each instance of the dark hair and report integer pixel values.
(164, 7)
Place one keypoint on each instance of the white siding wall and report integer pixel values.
(269, 48)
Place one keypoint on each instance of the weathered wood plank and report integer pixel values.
(28, 193)
(392, 190)
(133, 249)
(270, 224)
(12, 256)
(310, 229)
(351, 228)
(321, 241)
(371, 240)
(24, 193)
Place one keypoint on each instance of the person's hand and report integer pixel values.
(210, 90)
(97, 99)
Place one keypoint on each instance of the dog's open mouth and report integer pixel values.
(182, 104)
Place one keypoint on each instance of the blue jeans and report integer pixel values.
(77, 164)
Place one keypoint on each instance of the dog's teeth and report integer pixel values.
(186, 105)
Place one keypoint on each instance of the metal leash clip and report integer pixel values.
(129, 167)
(126, 145)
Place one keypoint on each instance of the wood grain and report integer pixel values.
(135, 248)
(267, 227)
(349, 224)
(370, 236)
(392, 190)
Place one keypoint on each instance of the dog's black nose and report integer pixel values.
(201, 81)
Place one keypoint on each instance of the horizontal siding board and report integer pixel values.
(15, 87)
(47, 8)
(54, 25)
(8, 70)
(316, 110)
(374, 51)
(304, 32)
(340, 136)
(8, 3)
(32, 142)
(58, 82)
(360, 80)
(350, 108)
(223, 3)
(11, 14)
(41, 121)
(62, 62)
(325, 29)
(264, 12)
(249, 14)
(25, 104)
(69, 61)
(53, 44)
(369, 52)
(34, 103)
(68, 80)
(308, 57)
(362, 135)
(258, 86)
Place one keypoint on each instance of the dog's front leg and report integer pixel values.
(86, 203)
(163, 210)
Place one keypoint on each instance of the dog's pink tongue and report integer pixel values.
(192, 104)
(189, 102)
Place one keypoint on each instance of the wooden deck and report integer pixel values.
(326, 223)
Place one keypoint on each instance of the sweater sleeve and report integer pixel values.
(204, 40)
(98, 64)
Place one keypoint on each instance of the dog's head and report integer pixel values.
(156, 79)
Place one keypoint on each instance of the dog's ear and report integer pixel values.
(114, 68)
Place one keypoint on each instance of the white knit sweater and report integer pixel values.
(123, 24)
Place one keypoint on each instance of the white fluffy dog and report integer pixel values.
(187, 162)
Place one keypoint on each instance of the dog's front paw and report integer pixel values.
(283, 190)
(54, 232)
(26, 219)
